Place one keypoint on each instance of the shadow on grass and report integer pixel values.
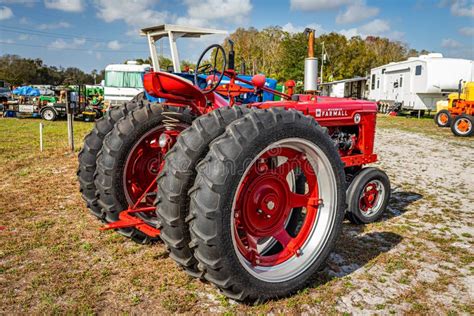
(353, 251)
(399, 202)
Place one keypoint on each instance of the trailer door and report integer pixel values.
(404, 87)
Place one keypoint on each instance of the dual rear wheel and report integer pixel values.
(250, 200)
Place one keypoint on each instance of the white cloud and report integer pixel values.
(79, 41)
(135, 13)
(204, 13)
(290, 28)
(235, 10)
(396, 35)
(7, 41)
(65, 5)
(316, 5)
(62, 44)
(467, 31)
(22, 2)
(25, 37)
(24, 21)
(114, 45)
(376, 27)
(5, 13)
(356, 12)
(58, 44)
(52, 26)
(462, 8)
(450, 43)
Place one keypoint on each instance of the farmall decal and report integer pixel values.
(331, 112)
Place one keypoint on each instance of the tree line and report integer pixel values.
(271, 51)
(19, 71)
(280, 55)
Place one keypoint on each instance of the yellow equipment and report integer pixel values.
(447, 110)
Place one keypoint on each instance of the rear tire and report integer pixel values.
(216, 196)
(88, 154)
(178, 176)
(443, 118)
(463, 125)
(118, 147)
(363, 211)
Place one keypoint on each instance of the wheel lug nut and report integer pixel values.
(269, 216)
(270, 205)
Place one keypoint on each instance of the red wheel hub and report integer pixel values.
(369, 197)
(142, 167)
(265, 203)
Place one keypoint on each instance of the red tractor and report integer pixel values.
(249, 197)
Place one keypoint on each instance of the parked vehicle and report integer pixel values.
(250, 198)
(418, 83)
(123, 82)
(459, 111)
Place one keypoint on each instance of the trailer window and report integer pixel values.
(121, 79)
(400, 84)
(373, 82)
(378, 83)
(418, 70)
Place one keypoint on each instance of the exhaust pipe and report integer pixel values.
(310, 65)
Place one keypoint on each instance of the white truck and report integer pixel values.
(418, 83)
(123, 82)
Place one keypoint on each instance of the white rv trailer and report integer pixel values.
(419, 82)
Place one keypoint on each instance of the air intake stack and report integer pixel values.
(310, 65)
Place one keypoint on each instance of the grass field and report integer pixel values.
(417, 260)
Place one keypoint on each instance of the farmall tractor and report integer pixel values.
(248, 197)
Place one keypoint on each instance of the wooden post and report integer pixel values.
(41, 136)
(70, 129)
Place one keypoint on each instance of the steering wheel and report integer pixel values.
(209, 68)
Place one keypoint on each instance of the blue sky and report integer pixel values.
(90, 34)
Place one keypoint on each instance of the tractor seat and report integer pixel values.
(172, 87)
(182, 78)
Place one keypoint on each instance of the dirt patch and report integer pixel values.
(418, 259)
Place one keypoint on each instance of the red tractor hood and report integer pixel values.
(333, 111)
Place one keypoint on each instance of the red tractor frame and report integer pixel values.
(249, 197)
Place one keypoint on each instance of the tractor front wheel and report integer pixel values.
(463, 125)
(443, 118)
(367, 196)
(243, 205)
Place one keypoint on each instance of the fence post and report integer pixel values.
(41, 136)
(70, 119)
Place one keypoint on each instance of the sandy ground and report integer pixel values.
(418, 259)
(430, 228)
